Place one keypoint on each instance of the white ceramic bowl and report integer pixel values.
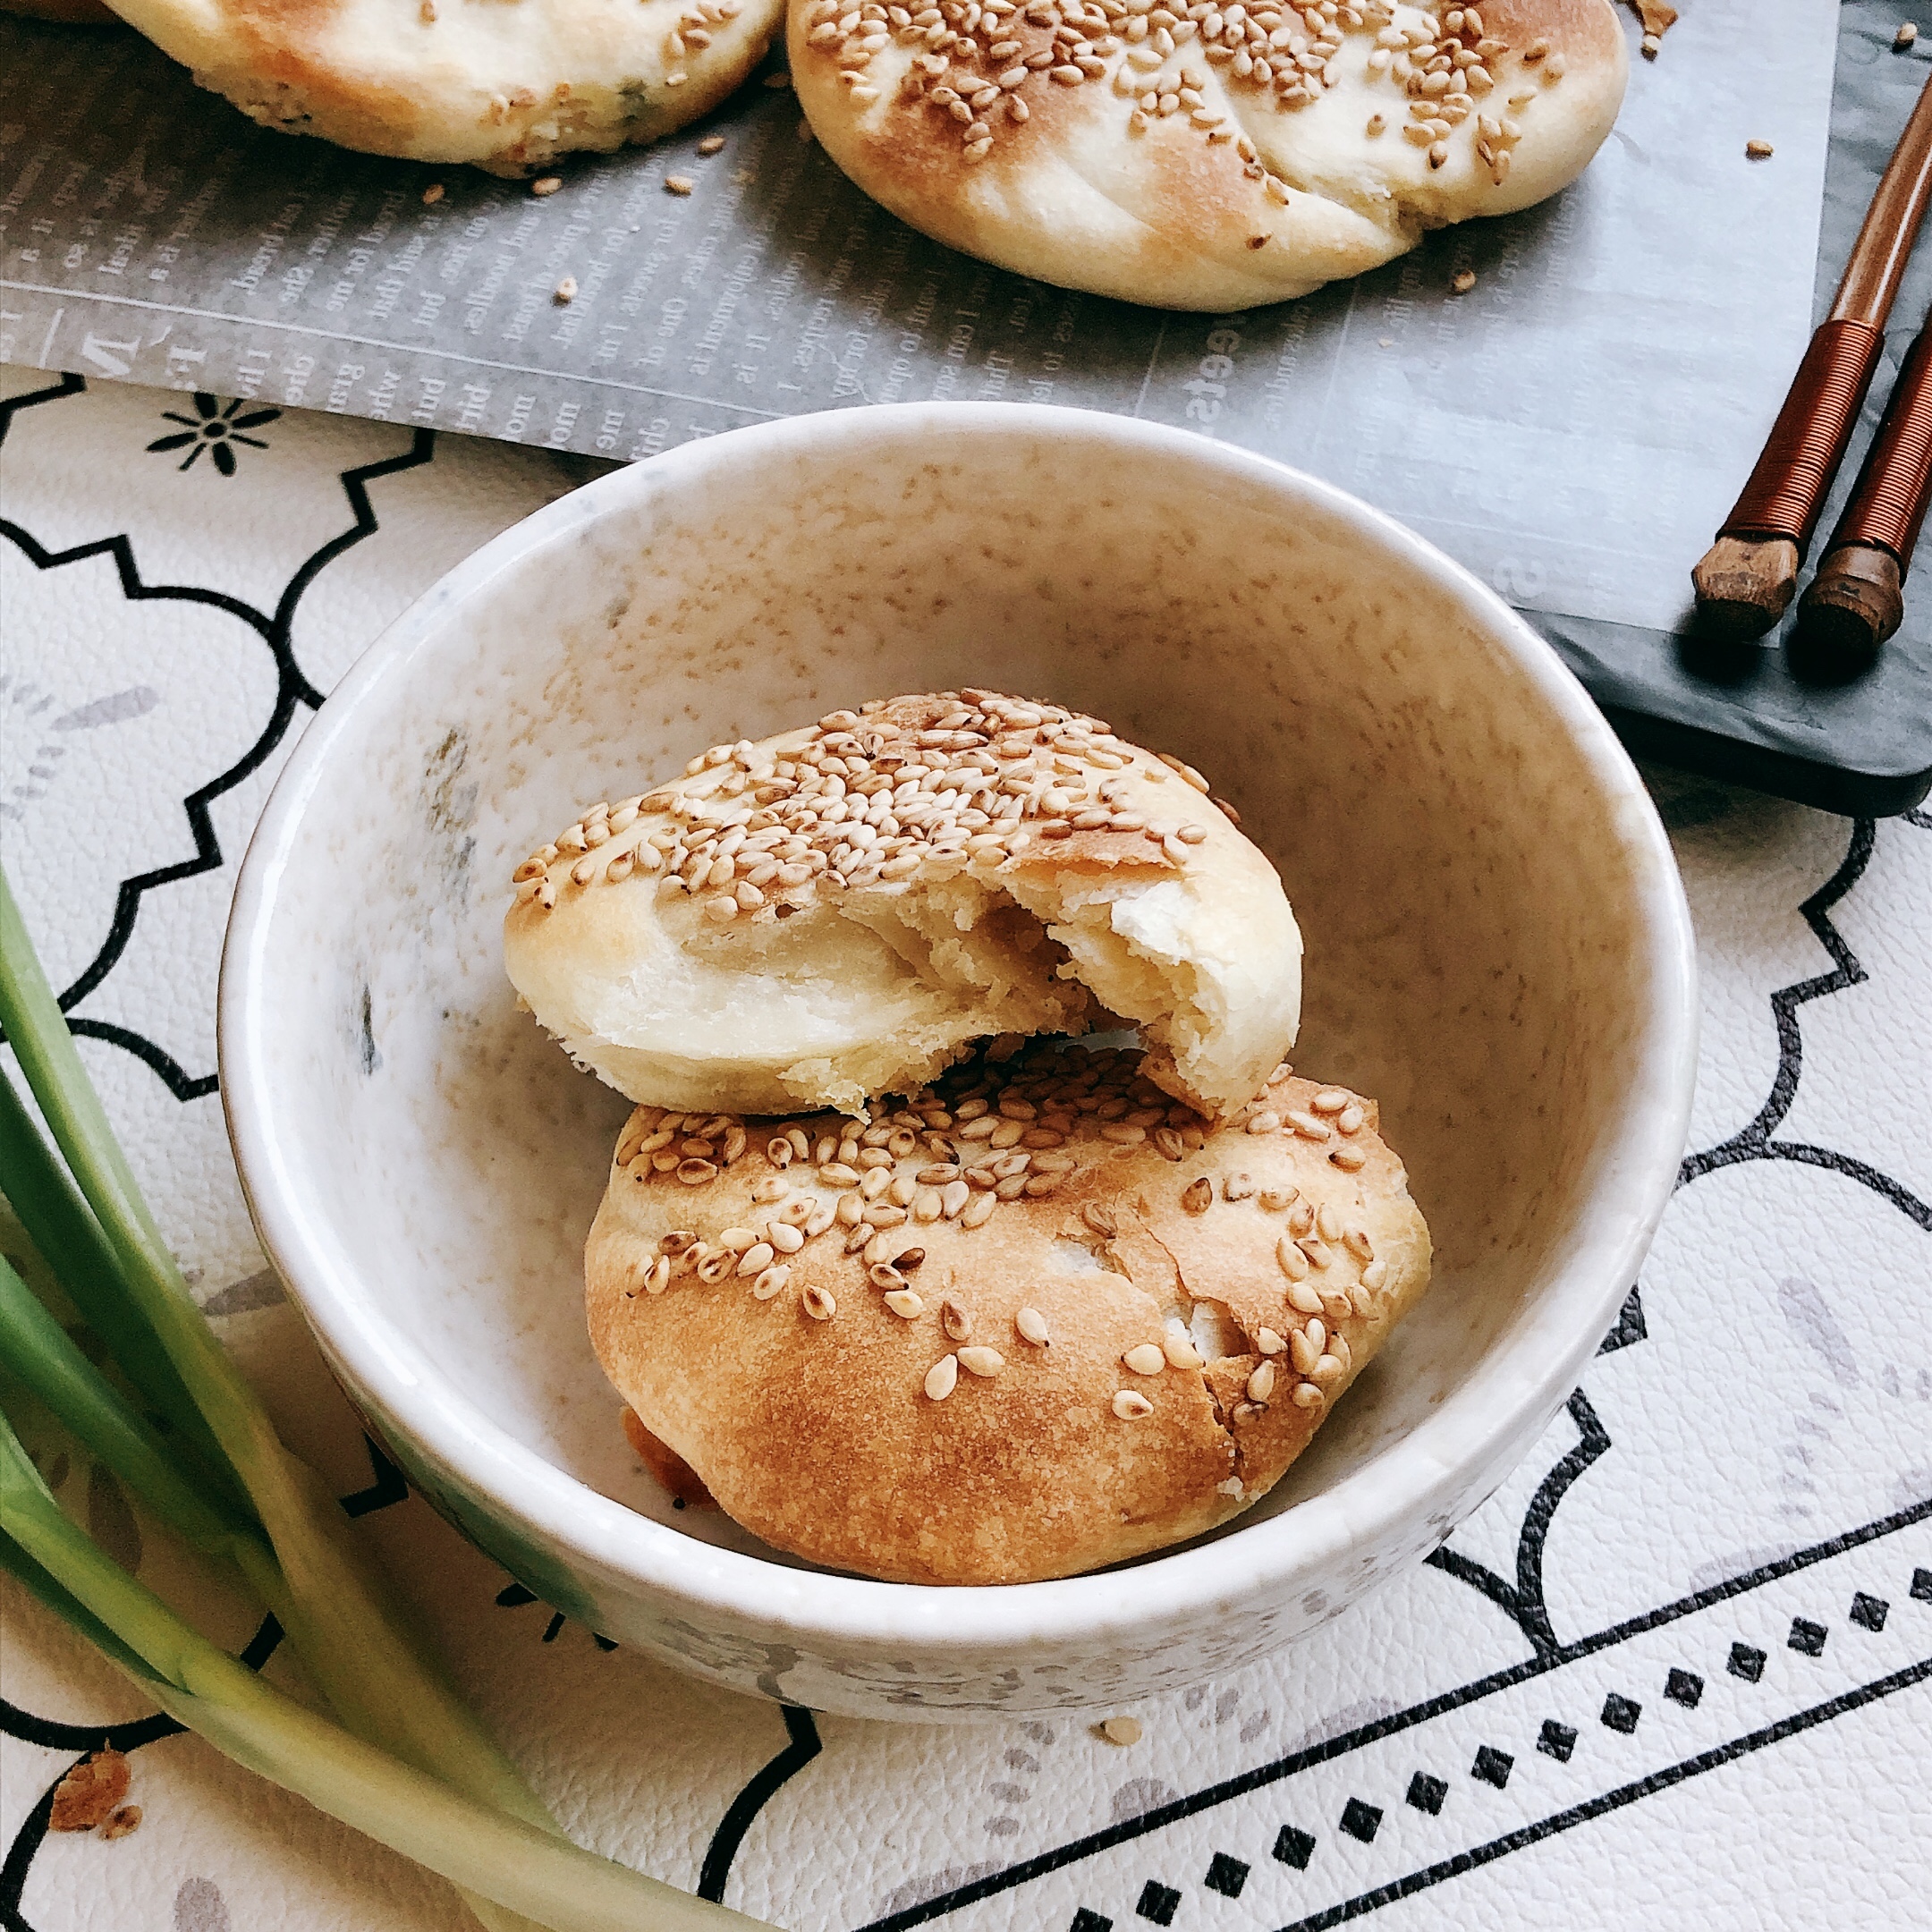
(1497, 948)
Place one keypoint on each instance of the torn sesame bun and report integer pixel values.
(508, 88)
(1204, 157)
(842, 911)
(1037, 1319)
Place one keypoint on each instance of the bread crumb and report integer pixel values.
(1259, 240)
(711, 144)
(1904, 37)
(680, 184)
(123, 1823)
(1651, 46)
(1462, 282)
(427, 12)
(548, 185)
(566, 290)
(91, 1793)
(1121, 1730)
(1758, 150)
(432, 194)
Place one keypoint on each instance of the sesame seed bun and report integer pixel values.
(506, 88)
(739, 940)
(1197, 158)
(933, 1350)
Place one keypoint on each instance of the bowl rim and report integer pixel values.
(1397, 1495)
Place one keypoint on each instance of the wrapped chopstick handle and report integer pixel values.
(1787, 489)
(1888, 504)
(1856, 602)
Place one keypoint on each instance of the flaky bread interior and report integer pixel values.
(505, 86)
(1035, 1320)
(1204, 157)
(842, 911)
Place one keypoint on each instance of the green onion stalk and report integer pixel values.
(520, 1866)
(408, 1762)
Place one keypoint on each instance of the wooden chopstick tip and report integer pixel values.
(1849, 610)
(1744, 584)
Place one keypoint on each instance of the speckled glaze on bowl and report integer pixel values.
(1498, 943)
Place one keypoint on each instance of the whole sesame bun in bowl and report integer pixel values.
(1497, 952)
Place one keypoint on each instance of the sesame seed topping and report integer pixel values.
(1129, 1405)
(905, 1302)
(942, 1378)
(1261, 1383)
(1123, 1730)
(1269, 1342)
(1349, 1159)
(1032, 1328)
(1294, 1264)
(1197, 1197)
(1146, 1357)
(548, 185)
(982, 1361)
(1759, 151)
(1306, 1395)
(771, 1281)
(956, 1319)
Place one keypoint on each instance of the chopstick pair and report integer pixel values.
(1745, 581)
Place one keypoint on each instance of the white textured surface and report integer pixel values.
(1781, 1397)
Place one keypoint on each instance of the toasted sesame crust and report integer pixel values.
(1203, 157)
(949, 1344)
(842, 911)
(508, 88)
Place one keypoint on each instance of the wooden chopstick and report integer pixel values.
(1857, 600)
(1745, 581)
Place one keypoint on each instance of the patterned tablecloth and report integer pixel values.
(1674, 1674)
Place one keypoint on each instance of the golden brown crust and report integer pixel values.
(842, 910)
(1055, 1208)
(1192, 157)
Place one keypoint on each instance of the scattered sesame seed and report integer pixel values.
(548, 185)
(1462, 282)
(1129, 1405)
(432, 194)
(905, 1302)
(1906, 36)
(678, 184)
(566, 291)
(942, 1378)
(1146, 1357)
(1032, 1328)
(1122, 1731)
(982, 1361)
(1197, 1197)
(711, 144)
(1758, 150)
